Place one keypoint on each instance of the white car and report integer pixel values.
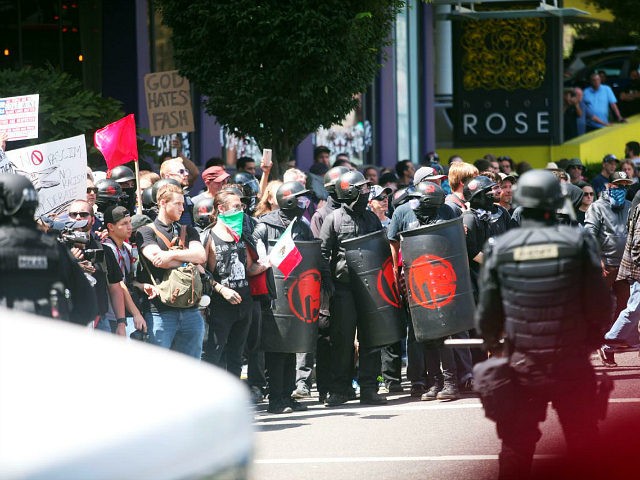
(79, 404)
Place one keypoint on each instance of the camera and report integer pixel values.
(72, 237)
(94, 255)
(139, 335)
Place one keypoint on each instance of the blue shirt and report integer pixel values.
(597, 102)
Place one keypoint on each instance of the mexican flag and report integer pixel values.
(285, 256)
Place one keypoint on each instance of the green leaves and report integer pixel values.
(280, 69)
(66, 108)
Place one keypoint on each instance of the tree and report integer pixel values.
(66, 108)
(624, 30)
(279, 69)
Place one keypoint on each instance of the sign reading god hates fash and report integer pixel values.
(168, 103)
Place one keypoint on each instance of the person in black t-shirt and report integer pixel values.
(181, 329)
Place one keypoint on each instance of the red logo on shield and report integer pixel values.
(387, 285)
(304, 296)
(432, 281)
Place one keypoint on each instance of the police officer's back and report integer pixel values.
(36, 271)
(541, 287)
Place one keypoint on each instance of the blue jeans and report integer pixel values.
(625, 327)
(181, 330)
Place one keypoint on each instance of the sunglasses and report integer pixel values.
(92, 190)
(589, 194)
(182, 171)
(81, 214)
(380, 198)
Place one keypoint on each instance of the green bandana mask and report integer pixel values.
(233, 220)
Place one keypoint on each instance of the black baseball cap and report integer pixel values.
(115, 213)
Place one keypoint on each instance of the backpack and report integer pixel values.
(180, 287)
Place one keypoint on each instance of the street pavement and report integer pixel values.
(411, 439)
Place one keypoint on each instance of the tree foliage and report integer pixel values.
(624, 30)
(279, 69)
(66, 108)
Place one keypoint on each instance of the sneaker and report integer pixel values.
(256, 394)
(297, 406)
(449, 392)
(372, 398)
(336, 399)
(279, 408)
(607, 357)
(417, 390)
(301, 391)
(395, 388)
(431, 394)
(382, 388)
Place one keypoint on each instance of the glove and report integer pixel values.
(323, 321)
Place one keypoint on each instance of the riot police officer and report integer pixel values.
(541, 287)
(37, 273)
(349, 221)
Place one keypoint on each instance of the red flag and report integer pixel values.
(117, 141)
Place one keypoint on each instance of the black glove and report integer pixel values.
(323, 321)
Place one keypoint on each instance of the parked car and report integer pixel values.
(616, 66)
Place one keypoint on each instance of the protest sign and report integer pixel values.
(58, 171)
(168, 103)
(19, 116)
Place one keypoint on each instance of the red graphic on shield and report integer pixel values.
(432, 281)
(304, 296)
(387, 284)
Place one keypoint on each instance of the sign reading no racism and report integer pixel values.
(168, 103)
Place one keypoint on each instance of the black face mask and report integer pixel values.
(425, 212)
(130, 202)
(483, 200)
(359, 205)
(291, 213)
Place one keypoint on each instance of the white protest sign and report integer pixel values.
(19, 116)
(168, 98)
(58, 171)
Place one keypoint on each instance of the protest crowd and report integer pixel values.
(331, 279)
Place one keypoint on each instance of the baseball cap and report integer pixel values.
(214, 174)
(620, 178)
(610, 157)
(426, 173)
(378, 191)
(115, 213)
(553, 166)
(575, 162)
(508, 177)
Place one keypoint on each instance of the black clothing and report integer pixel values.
(107, 273)
(230, 270)
(570, 120)
(478, 230)
(340, 225)
(543, 287)
(343, 224)
(145, 236)
(31, 264)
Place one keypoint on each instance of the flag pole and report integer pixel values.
(138, 192)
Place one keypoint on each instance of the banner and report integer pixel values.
(168, 97)
(19, 116)
(58, 171)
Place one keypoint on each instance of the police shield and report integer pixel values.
(436, 271)
(293, 327)
(381, 319)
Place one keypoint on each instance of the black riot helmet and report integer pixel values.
(156, 186)
(288, 193)
(249, 183)
(349, 185)
(477, 186)
(402, 196)
(539, 190)
(331, 177)
(122, 174)
(147, 198)
(430, 194)
(109, 193)
(202, 211)
(18, 197)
